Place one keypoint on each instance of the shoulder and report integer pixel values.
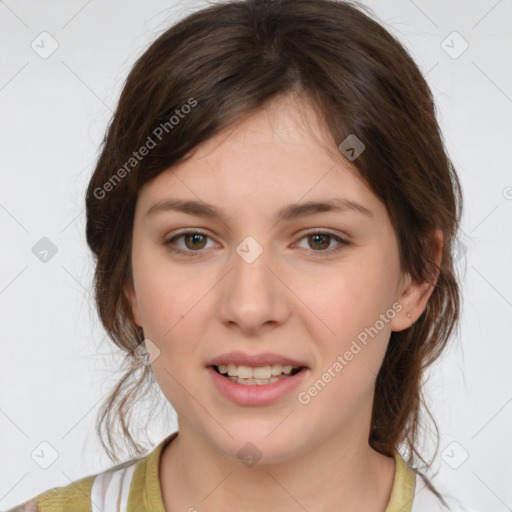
(107, 490)
(413, 492)
(89, 494)
(74, 497)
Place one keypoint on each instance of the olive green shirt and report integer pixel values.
(134, 486)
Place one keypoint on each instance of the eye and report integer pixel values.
(194, 242)
(320, 240)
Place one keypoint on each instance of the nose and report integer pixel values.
(253, 295)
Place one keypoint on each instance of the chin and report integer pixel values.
(253, 445)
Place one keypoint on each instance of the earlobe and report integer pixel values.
(404, 318)
(414, 296)
(131, 296)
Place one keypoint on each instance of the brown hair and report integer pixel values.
(228, 60)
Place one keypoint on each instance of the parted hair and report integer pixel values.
(226, 61)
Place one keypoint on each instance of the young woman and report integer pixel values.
(273, 216)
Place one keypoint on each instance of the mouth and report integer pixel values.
(259, 375)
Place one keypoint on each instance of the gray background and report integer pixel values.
(56, 363)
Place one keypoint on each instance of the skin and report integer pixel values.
(293, 300)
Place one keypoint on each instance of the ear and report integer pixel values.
(414, 296)
(129, 292)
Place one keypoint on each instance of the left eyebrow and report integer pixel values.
(289, 212)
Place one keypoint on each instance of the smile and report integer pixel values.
(259, 375)
(256, 391)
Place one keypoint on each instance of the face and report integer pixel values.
(317, 289)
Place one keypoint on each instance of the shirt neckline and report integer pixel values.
(146, 480)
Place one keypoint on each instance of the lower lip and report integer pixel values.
(254, 394)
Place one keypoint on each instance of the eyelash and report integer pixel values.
(318, 253)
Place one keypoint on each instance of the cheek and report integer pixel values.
(349, 298)
(176, 307)
(171, 305)
(170, 320)
(356, 307)
(352, 320)
(165, 293)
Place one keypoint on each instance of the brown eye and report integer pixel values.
(319, 240)
(193, 243)
(318, 243)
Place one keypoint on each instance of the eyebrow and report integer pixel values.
(287, 213)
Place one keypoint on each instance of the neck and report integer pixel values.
(352, 477)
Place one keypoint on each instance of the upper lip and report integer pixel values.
(254, 360)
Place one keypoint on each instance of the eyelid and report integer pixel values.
(325, 231)
(342, 240)
(186, 231)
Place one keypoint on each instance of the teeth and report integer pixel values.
(259, 374)
(258, 382)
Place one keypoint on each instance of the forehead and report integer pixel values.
(279, 154)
